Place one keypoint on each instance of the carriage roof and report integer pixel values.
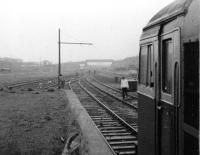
(174, 9)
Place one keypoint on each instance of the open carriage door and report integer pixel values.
(169, 102)
(191, 98)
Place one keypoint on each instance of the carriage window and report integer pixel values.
(143, 65)
(167, 53)
(150, 66)
(146, 66)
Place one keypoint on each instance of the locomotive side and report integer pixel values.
(168, 89)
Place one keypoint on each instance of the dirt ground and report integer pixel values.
(33, 123)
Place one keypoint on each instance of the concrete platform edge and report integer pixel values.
(92, 142)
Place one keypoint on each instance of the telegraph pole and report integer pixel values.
(59, 59)
(59, 56)
(59, 52)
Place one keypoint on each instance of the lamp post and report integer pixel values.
(59, 55)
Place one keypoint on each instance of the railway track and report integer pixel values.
(18, 84)
(112, 88)
(70, 82)
(131, 101)
(27, 83)
(118, 132)
(45, 84)
(35, 84)
(129, 114)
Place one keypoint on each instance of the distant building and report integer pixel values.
(30, 64)
(96, 63)
(5, 70)
(82, 66)
(8, 64)
(46, 62)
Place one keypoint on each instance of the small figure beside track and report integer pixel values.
(61, 82)
(40, 85)
(49, 82)
(124, 87)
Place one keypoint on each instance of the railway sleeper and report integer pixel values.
(107, 124)
(120, 138)
(117, 134)
(127, 147)
(94, 113)
(123, 142)
(104, 121)
(95, 109)
(92, 110)
(104, 116)
(116, 131)
(127, 152)
(90, 107)
(100, 125)
(111, 128)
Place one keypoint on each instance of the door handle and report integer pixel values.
(159, 107)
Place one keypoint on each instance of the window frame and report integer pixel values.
(167, 65)
(149, 68)
(167, 97)
(142, 82)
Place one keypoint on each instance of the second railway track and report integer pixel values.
(131, 100)
(132, 96)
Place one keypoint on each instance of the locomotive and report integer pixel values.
(168, 86)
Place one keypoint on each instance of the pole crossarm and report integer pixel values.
(59, 56)
(76, 43)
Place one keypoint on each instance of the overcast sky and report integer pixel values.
(29, 28)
